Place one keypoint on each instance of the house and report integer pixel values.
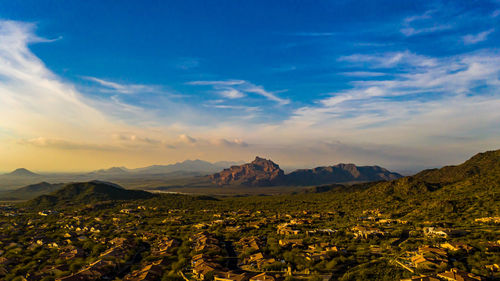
(94, 271)
(230, 276)
(263, 277)
(455, 274)
(443, 232)
(284, 229)
(432, 231)
(420, 261)
(291, 242)
(150, 272)
(427, 250)
(455, 246)
(365, 232)
(201, 270)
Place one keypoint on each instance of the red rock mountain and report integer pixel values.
(260, 172)
(263, 172)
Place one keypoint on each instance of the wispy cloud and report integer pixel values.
(423, 24)
(389, 60)
(428, 88)
(476, 38)
(218, 83)
(65, 144)
(363, 73)
(236, 89)
(122, 88)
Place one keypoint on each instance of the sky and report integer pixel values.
(405, 85)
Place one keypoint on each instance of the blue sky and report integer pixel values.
(404, 84)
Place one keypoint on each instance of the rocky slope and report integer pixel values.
(260, 172)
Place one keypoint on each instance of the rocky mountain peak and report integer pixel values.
(261, 171)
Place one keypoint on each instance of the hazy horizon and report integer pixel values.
(91, 85)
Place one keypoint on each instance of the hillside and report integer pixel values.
(32, 190)
(87, 192)
(472, 187)
(482, 168)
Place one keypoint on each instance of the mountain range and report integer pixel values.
(469, 187)
(263, 172)
(188, 166)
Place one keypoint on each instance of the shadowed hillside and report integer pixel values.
(87, 192)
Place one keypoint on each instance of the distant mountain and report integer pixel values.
(22, 172)
(260, 172)
(227, 164)
(340, 173)
(87, 192)
(111, 171)
(188, 167)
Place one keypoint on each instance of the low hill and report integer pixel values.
(33, 190)
(22, 172)
(87, 192)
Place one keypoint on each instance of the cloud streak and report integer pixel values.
(122, 88)
(237, 88)
(476, 38)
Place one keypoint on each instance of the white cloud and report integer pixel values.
(32, 98)
(440, 89)
(231, 93)
(187, 139)
(236, 88)
(65, 144)
(426, 109)
(476, 38)
(389, 60)
(217, 83)
(123, 88)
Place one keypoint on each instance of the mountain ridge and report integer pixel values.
(262, 172)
